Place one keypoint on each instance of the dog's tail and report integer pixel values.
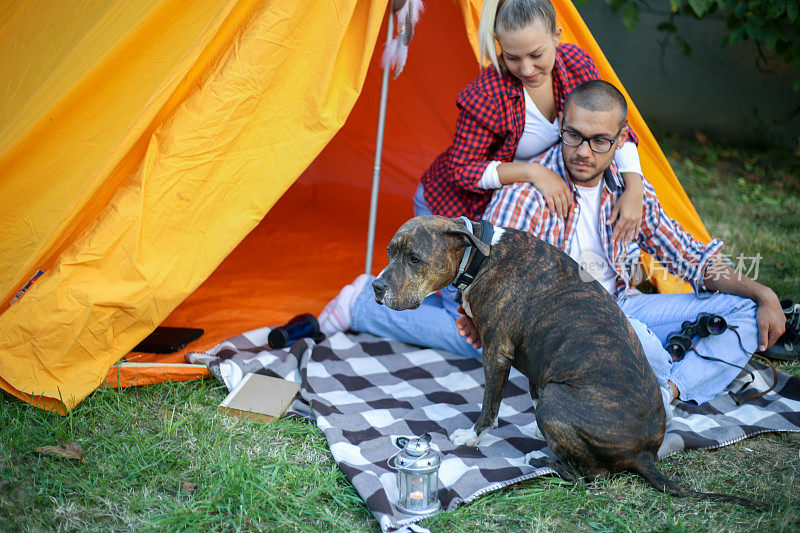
(645, 466)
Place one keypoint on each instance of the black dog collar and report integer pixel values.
(468, 269)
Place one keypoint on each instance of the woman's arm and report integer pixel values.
(482, 133)
(626, 215)
(555, 190)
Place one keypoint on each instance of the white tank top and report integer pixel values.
(539, 133)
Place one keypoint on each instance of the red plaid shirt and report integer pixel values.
(490, 122)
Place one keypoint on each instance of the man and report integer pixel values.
(593, 127)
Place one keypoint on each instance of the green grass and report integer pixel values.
(142, 445)
(748, 199)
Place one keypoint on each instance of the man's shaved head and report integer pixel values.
(598, 95)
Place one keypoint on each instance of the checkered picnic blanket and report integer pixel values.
(364, 392)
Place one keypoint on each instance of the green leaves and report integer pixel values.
(735, 35)
(773, 24)
(630, 16)
(629, 10)
(793, 10)
(700, 7)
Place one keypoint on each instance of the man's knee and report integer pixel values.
(656, 355)
(731, 305)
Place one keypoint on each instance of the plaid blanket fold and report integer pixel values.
(363, 392)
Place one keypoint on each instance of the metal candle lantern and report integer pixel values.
(417, 480)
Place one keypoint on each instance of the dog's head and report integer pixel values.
(424, 256)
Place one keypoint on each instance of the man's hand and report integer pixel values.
(466, 328)
(626, 214)
(771, 321)
(769, 316)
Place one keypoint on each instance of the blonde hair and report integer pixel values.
(511, 15)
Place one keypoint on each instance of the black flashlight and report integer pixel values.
(305, 325)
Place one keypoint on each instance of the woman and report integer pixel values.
(509, 115)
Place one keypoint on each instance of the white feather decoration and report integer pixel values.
(396, 52)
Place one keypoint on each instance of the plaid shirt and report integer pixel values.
(490, 123)
(521, 206)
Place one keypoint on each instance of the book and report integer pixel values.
(259, 397)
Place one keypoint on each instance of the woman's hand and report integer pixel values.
(555, 190)
(550, 185)
(626, 215)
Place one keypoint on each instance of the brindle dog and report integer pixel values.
(597, 400)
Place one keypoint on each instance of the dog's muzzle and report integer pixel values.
(379, 288)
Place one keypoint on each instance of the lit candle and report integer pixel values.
(417, 465)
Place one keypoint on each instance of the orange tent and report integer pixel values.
(207, 163)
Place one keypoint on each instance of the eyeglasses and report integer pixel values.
(601, 145)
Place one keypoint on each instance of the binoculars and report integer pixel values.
(680, 342)
(305, 325)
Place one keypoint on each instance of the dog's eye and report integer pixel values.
(413, 259)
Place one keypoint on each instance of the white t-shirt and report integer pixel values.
(538, 135)
(586, 247)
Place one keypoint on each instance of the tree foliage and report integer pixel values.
(774, 25)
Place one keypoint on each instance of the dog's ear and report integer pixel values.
(459, 230)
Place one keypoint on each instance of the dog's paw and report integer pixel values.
(534, 459)
(494, 422)
(465, 436)
(540, 460)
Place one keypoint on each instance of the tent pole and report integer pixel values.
(376, 169)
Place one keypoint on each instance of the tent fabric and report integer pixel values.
(150, 153)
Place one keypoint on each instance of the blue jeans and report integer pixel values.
(420, 205)
(653, 317)
(432, 324)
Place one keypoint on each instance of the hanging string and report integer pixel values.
(735, 395)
